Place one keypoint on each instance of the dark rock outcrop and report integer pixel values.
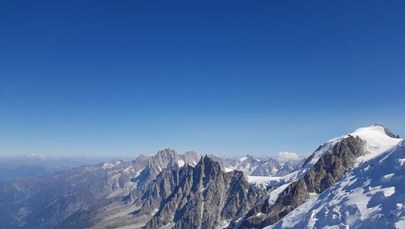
(331, 166)
(82, 197)
(206, 198)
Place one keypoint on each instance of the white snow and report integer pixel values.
(224, 224)
(387, 177)
(401, 161)
(109, 165)
(363, 197)
(389, 191)
(154, 211)
(243, 158)
(400, 224)
(264, 181)
(181, 163)
(275, 193)
(321, 151)
(228, 169)
(317, 211)
(377, 142)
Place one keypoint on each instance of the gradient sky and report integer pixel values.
(91, 78)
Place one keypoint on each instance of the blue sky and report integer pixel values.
(98, 78)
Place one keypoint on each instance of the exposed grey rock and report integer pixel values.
(206, 198)
(84, 196)
(158, 190)
(173, 191)
(330, 167)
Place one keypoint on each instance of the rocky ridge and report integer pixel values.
(320, 171)
(170, 190)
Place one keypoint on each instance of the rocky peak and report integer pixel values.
(330, 166)
(377, 139)
(166, 153)
(191, 157)
(322, 169)
(207, 162)
(207, 169)
(206, 197)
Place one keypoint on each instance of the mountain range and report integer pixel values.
(352, 181)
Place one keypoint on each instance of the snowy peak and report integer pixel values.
(253, 166)
(169, 158)
(111, 164)
(369, 196)
(322, 169)
(355, 180)
(377, 139)
(148, 167)
(249, 158)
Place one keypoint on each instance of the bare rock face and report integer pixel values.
(81, 197)
(151, 197)
(207, 197)
(330, 167)
(152, 191)
(170, 190)
(151, 166)
(166, 190)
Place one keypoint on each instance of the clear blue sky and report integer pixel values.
(226, 77)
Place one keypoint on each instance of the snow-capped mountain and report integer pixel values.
(148, 167)
(253, 166)
(372, 195)
(320, 171)
(377, 139)
(350, 181)
(250, 165)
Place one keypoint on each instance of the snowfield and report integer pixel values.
(265, 181)
(377, 142)
(372, 195)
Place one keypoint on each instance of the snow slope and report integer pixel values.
(370, 196)
(265, 181)
(376, 138)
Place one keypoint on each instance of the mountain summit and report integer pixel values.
(354, 180)
(320, 171)
(369, 196)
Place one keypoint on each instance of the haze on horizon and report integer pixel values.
(83, 78)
